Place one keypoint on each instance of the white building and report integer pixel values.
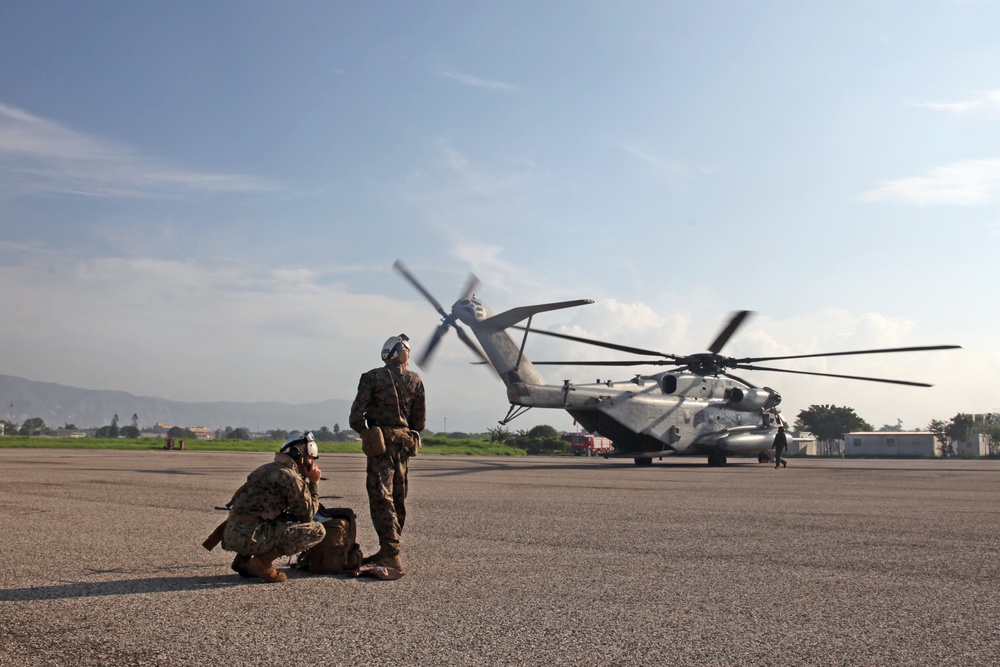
(888, 444)
(979, 445)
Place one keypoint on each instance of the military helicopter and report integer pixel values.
(696, 408)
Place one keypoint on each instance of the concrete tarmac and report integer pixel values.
(512, 561)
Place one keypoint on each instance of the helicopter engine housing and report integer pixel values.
(752, 399)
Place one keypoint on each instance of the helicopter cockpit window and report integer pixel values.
(669, 384)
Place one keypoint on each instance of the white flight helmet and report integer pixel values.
(393, 346)
(299, 446)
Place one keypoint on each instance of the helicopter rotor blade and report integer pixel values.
(637, 362)
(470, 286)
(472, 346)
(835, 375)
(841, 354)
(599, 343)
(735, 323)
(420, 288)
(425, 357)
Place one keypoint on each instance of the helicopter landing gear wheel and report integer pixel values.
(717, 459)
(643, 461)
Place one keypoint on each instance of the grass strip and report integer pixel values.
(431, 445)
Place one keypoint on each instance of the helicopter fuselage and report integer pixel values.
(668, 413)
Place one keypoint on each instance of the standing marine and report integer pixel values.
(389, 407)
(780, 444)
(272, 514)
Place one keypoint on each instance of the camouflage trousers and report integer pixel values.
(386, 485)
(251, 538)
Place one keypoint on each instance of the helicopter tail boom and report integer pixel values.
(506, 357)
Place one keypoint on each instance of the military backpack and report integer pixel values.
(339, 551)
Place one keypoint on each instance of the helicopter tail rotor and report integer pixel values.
(448, 320)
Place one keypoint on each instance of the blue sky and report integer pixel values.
(203, 201)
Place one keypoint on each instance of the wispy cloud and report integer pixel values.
(475, 81)
(39, 156)
(642, 154)
(968, 183)
(666, 169)
(988, 102)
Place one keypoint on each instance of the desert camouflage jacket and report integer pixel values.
(274, 488)
(390, 396)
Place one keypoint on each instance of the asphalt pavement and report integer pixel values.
(512, 561)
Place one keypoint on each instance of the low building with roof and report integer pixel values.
(890, 444)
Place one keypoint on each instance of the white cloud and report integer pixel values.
(667, 170)
(984, 102)
(476, 82)
(38, 156)
(643, 154)
(477, 181)
(192, 332)
(969, 183)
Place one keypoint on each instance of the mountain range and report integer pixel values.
(58, 405)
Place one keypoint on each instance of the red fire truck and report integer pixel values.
(584, 444)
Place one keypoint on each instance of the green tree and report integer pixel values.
(828, 422)
(940, 431)
(177, 432)
(541, 439)
(325, 435)
(993, 431)
(543, 432)
(239, 434)
(893, 428)
(960, 427)
(111, 431)
(34, 426)
(498, 435)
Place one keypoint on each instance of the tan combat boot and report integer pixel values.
(393, 562)
(260, 566)
(375, 557)
(240, 565)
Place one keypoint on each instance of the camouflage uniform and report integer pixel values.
(391, 398)
(273, 512)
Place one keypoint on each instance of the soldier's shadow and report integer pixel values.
(85, 589)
